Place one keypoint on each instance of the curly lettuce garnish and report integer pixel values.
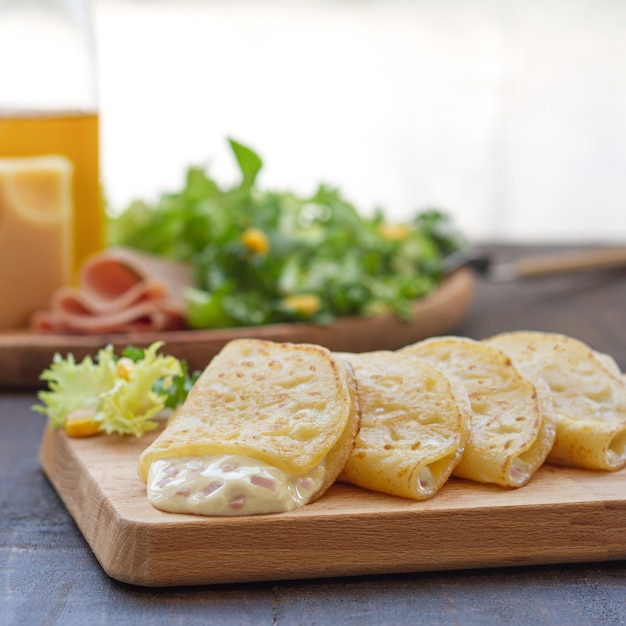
(113, 394)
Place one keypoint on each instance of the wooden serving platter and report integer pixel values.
(23, 356)
(562, 515)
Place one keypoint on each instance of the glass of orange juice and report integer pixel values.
(48, 101)
(51, 209)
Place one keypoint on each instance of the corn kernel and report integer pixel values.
(82, 428)
(124, 368)
(80, 423)
(394, 232)
(305, 303)
(255, 240)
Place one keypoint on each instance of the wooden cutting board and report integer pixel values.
(562, 515)
(23, 356)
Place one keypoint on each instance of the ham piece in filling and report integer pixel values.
(119, 290)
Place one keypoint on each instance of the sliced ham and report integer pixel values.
(119, 290)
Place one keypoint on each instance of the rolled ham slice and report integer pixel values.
(119, 290)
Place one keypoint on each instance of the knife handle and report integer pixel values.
(605, 258)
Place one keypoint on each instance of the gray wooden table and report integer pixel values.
(48, 574)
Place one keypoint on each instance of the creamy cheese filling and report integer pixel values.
(425, 481)
(518, 472)
(228, 485)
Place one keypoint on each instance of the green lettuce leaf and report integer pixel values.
(124, 397)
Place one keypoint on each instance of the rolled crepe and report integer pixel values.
(415, 424)
(588, 393)
(513, 424)
(266, 428)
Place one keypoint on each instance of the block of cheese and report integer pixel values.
(35, 234)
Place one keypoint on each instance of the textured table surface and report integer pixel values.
(48, 574)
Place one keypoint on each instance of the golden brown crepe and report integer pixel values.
(292, 407)
(415, 424)
(513, 425)
(588, 393)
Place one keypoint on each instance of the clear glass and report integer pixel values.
(49, 100)
(47, 56)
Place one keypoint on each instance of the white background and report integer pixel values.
(510, 114)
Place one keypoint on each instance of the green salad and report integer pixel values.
(111, 393)
(261, 257)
